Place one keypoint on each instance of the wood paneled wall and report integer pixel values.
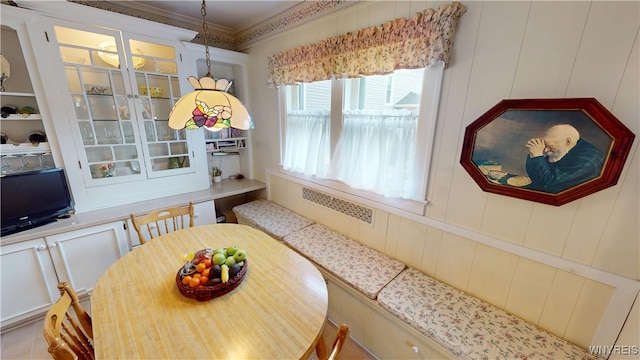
(505, 50)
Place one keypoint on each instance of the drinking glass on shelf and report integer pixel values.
(108, 134)
(42, 164)
(24, 164)
(6, 168)
(87, 134)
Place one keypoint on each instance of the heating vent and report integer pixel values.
(355, 211)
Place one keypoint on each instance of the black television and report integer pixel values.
(34, 198)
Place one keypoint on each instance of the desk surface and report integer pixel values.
(278, 311)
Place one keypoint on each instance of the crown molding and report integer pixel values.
(295, 16)
(220, 36)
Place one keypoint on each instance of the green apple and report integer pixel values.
(240, 255)
(219, 259)
(230, 261)
(232, 250)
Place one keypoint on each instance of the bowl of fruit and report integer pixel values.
(209, 273)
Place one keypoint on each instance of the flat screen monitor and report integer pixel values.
(33, 198)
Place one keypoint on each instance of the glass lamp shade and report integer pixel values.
(209, 106)
(112, 58)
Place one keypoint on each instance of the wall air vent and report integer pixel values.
(348, 208)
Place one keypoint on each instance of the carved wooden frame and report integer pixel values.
(495, 143)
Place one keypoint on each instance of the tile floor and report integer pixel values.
(27, 342)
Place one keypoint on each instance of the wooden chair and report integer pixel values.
(342, 335)
(68, 333)
(162, 221)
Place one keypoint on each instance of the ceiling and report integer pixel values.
(229, 16)
(232, 24)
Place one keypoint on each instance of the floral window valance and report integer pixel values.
(402, 43)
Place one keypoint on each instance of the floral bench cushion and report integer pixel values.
(363, 268)
(270, 217)
(467, 326)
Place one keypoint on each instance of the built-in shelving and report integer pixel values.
(25, 148)
(21, 117)
(22, 94)
(18, 154)
(226, 145)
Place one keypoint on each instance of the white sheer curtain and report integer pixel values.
(376, 151)
(307, 142)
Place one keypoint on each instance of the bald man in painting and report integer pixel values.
(561, 160)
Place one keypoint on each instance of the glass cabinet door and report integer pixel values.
(104, 118)
(122, 93)
(156, 81)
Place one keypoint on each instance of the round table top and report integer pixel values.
(278, 311)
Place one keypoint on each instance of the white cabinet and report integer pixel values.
(21, 118)
(81, 256)
(114, 91)
(122, 90)
(204, 213)
(28, 280)
(32, 269)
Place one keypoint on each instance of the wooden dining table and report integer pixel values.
(277, 312)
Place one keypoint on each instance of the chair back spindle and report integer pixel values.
(67, 327)
(162, 221)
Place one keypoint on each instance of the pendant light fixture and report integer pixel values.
(209, 105)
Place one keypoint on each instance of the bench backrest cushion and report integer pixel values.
(270, 217)
(363, 268)
(467, 326)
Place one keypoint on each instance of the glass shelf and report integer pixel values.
(19, 117)
(18, 94)
(25, 148)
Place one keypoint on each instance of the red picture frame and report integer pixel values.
(585, 148)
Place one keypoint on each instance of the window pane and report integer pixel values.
(376, 150)
(307, 137)
(400, 90)
(309, 96)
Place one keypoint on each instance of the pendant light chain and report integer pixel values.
(203, 11)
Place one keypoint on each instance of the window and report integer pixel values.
(378, 137)
(307, 131)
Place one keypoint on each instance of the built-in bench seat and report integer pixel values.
(450, 320)
(467, 326)
(270, 217)
(363, 268)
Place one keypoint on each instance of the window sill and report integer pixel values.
(344, 191)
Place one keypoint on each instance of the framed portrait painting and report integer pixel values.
(551, 151)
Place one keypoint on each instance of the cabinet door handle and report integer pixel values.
(53, 245)
(41, 248)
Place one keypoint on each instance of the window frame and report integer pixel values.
(429, 107)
